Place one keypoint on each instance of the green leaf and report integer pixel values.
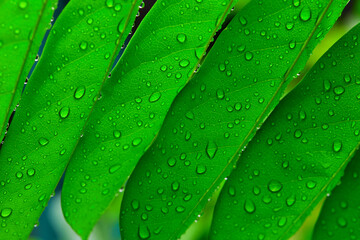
(23, 25)
(159, 60)
(300, 152)
(55, 105)
(340, 214)
(218, 112)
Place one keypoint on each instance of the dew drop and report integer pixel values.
(181, 38)
(211, 149)
(83, 45)
(274, 186)
(6, 212)
(337, 145)
(43, 141)
(143, 232)
(136, 141)
(155, 97)
(117, 134)
(79, 92)
(200, 169)
(249, 206)
(114, 168)
(64, 112)
(249, 56)
(305, 14)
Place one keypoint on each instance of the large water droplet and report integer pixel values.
(305, 14)
(64, 112)
(337, 145)
(79, 92)
(211, 149)
(249, 206)
(6, 212)
(181, 38)
(155, 97)
(274, 186)
(43, 141)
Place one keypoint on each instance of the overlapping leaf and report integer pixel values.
(339, 218)
(23, 25)
(160, 59)
(299, 154)
(218, 112)
(55, 105)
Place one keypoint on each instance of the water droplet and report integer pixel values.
(114, 168)
(338, 90)
(64, 112)
(296, 3)
(305, 14)
(79, 92)
(298, 133)
(171, 161)
(30, 172)
(117, 134)
(43, 141)
(181, 38)
(143, 232)
(184, 63)
(180, 209)
(6, 212)
(136, 141)
(249, 206)
(311, 184)
(83, 45)
(155, 97)
(337, 145)
(135, 204)
(109, 3)
(249, 56)
(200, 169)
(290, 201)
(274, 186)
(23, 4)
(211, 149)
(341, 222)
(220, 94)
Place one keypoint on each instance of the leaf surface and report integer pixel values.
(159, 60)
(218, 112)
(55, 105)
(299, 154)
(339, 217)
(23, 26)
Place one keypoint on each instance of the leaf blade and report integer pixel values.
(56, 102)
(302, 165)
(170, 41)
(215, 134)
(337, 216)
(29, 30)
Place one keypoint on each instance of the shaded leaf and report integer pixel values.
(218, 112)
(339, 217)
(160, 59)
(299, 154)
(55, 105)
(23, 25)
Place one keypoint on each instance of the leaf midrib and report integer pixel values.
(254, 128)
(23, 64)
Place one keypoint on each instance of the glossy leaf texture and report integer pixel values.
(299, 154)
(55, 105)
(159, 60)
(217, 113)
(339, 218)
(23, 25)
